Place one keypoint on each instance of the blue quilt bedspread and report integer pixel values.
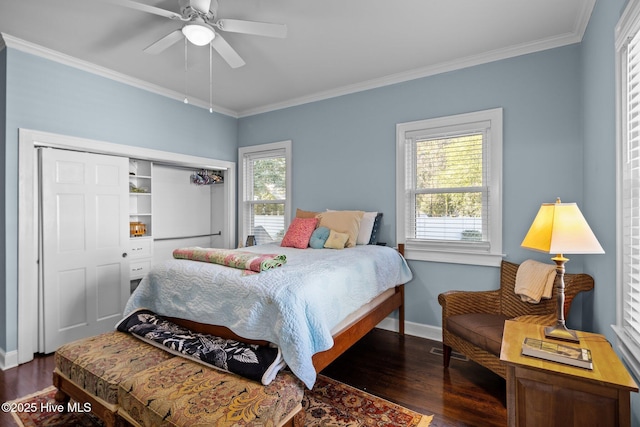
(294, 306)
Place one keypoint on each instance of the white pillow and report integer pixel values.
(366, 227)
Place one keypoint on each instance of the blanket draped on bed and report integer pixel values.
(295, 306)
(232, 258)
(256, 362)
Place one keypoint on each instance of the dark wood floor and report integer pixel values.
(24, 380)
(404, 370)
(399, 369)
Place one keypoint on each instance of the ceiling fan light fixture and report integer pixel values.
(198, 33)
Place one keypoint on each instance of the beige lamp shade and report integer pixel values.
(560, 228)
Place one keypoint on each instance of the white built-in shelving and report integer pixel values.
(140, 219)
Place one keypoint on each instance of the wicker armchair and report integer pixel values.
(480, 316)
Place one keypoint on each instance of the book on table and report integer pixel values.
(569, 355)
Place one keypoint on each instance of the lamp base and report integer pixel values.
(560, 332)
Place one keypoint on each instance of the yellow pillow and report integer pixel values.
(336, 240)
(342, 222)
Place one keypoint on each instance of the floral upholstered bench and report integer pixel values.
(130, 382)
(179, 392)
(90, 370)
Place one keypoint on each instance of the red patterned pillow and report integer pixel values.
(299, 233)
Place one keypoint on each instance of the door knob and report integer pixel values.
(124, 255)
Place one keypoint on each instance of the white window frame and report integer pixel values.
(627, 343)
(265, 149)
(464, 253)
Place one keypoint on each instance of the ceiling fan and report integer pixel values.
(200, 25)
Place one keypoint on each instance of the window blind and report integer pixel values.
(447, 187)
(265, 172)
(631, 195)
(265, 194)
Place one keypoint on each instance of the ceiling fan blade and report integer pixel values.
(251, 27)
(146, 8)
(227, 52)
(165, 42)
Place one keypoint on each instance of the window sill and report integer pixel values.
(628, 351)
(422, 253)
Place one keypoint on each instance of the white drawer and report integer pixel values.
(140, 248)
(138, 269)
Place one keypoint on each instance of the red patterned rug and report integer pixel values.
(330, 403)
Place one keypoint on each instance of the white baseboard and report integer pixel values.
(433, 333)
(8, 360)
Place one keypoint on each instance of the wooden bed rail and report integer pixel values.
(343, 339)
(348, 336)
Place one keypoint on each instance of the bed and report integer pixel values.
(313, 307)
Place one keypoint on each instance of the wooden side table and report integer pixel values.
(546, 393)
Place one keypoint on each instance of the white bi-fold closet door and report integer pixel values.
(84, 243)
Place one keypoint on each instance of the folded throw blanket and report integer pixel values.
(232, 258)
(256, 362)
(534, 281)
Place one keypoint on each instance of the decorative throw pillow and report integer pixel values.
(319, 237)
(305, 214)
(336, 240)
(299, 233)
(376, 227)
(342, 222)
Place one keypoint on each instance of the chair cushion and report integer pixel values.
(98, 364)
(481, 329)
(180, 392)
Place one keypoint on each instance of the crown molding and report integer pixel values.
(7, 40)
(575, 36)
(583, 18)
(511, 52)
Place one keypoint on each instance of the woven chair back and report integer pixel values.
(513, 306)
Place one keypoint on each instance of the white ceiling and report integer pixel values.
(333, 47)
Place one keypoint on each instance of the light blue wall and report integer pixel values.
(599, 108)
(47, 96)
(599, 122)
(344, 153)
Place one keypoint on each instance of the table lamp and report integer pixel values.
(559, 228)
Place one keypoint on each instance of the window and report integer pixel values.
(449, 173)
(627, 326)
(265, 187)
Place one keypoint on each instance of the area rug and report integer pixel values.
(332, 403)
(329, 404)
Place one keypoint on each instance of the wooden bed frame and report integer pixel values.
(342, 340)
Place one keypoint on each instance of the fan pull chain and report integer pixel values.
(186, 100)
(210, 79)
